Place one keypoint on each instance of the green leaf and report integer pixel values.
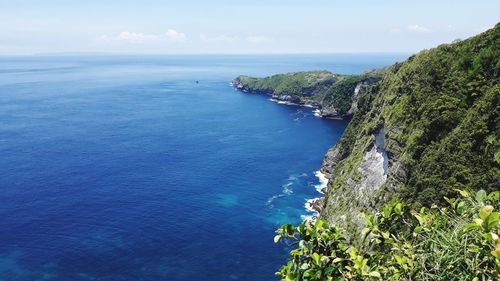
(497, 156)
(365, 231)
(463, 193)
(399, 260)
(485, 212)
(399, 208)
(481, 196)
(419, 218)
(417, 230)
(277, 238)
(387, 211)
(290, 276)
(496, 252)
(472, 226)
(375, 274)
(460, 208)
(320, 224)
(494, 196)
(491, 222)
(316, 258)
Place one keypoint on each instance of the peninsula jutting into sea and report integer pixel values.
(423, 132)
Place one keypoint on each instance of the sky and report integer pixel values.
(238, 27)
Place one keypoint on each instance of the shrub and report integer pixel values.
(457, 242)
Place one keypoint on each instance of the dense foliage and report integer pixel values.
(440, 113)
(320, 88)
(458, 242)
(294, 84)
(340, 94)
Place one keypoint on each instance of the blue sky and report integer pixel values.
(223, 26)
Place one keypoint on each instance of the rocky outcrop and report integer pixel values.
(331, 159)
(360, 87)
(420, 133)
(328, 93)
(373, 168)
(278, 97)
(328, 111)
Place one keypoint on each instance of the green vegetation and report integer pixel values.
(294, 84)
(339, 95)
(459, 242)
(438, 114)
(441, 118)
(319, 88)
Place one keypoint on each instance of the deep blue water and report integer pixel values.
(123, 168)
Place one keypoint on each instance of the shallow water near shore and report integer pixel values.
(126, 168)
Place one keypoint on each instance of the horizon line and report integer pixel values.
(204, 54)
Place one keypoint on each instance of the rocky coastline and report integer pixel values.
(331, 159)
(322, 111)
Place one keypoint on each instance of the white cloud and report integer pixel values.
(131, 37)
(419, 29)
(218, 39)
(174, 35)
(138, 38)
(259, 39)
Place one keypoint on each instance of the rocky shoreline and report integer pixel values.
(320, 111)
(305, 99)
(314, 205)
(282, 99)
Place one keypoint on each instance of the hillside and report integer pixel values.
(430, 126)
(334, 95)
(414, 182)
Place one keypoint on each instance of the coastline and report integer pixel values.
(312, 205)
(318, 110)
(315, 205)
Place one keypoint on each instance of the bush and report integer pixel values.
(457, 242)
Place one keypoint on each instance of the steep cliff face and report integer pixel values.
(430, 126)
(334, 95)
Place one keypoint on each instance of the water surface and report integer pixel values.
(125, 168)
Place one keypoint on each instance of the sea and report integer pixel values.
(152, 167)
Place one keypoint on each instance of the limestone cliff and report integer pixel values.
(430, 126)
(334, 95)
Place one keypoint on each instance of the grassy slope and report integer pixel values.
(315, 87)
(440, 110)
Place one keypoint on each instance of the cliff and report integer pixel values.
(413, 187)
(334, 95)
(421, 129)
(429, 127)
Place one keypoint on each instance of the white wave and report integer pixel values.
(284, 102)
(323, 181)
(317, 113)
(309, 205)
(286, 191)
(286, 188)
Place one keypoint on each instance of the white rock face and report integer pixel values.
(374, 166)
(354, 103)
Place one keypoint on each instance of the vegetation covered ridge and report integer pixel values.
(334, 95)
(414, 181)
(429, 127)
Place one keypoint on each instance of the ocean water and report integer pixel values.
(125, 168)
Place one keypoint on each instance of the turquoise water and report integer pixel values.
(124, 168)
